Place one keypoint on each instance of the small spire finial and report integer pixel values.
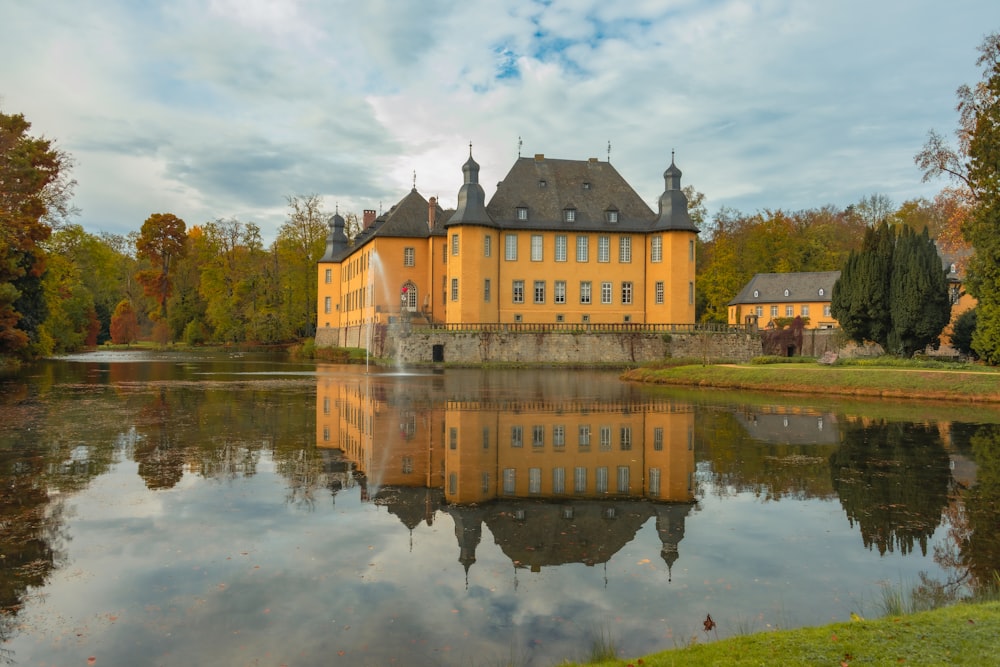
(609, 150)
(414, 179)
(470, 149)
(519, 144)
(671, 156)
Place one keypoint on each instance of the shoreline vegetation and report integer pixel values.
(960, 634)
(882, 377)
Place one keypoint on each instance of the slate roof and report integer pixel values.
(547, 187)
(803, 286)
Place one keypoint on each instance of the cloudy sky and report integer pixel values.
(219, 108)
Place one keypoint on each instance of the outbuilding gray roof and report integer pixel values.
(772, 287)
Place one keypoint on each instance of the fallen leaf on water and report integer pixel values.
(91, 660)
(643, 561)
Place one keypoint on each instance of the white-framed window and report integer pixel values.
(658, 292)
(625, 249)
(823, 291)
(536, 247)
(623, 474)
(606, 292)
(484, 483)
(579, 479)
(409, 256)
(517, 291)
(774, 311)
(517, 436)
(691, 250)
(509, 481)
(605, 443)
(789, 311)
(327, 304)
(454, 244)
(569, 215)
(561, 248)
(601, 481)
(487, 245)
(328, 276)
(627, 292)
(558, 435)
(654, 482)
(582, 248)
(611, 216)
(559, 481)
(537, 436)
(760, 311)
(583, 437)
(656, 249)
(585, 291)
(486, 289)
(522, 212)
(658, 439)
(534, 481)
(805, 310)
(539, 291)
(454, 289)
(625, 438)
(559, 294)
(604, 249)
(510, 247)
(453, 438)
(826, 311)
(407, 465)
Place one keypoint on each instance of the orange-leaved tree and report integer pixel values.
(162, 239)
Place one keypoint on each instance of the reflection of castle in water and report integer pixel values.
(554, 481)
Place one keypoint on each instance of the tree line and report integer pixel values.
(63, 288)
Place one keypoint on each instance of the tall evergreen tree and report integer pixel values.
(918, 294)
(860, 299)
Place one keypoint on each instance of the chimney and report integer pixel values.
(431, 212)
(369, 217)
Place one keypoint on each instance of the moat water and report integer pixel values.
(239, 509)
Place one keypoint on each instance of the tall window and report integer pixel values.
(582, 249)
(606, 292)
(601, 483)
(454, 289)
(656, 249)
(659, 292)
(510, 247)
(328, 276)
(623, 473)
(517, 291)
(539, 291)
(509, 481)
(654, 482)
(487, 245)
(327, 304)
(569, 215)
(583, 437)
(805, 310)
(486, 289)
(453, 438)
(559, 480)
(658, 439)
(604, 249)
(560, 292)
(579, 479)
(536, 247)
(559, 436)
(627, 292)
(534, 481)
(585, 291)
(691, 293)
(537, 436)
(409, 255)
(522, 212)
(517, 436)
(789, 311)
(826, 311)
(625, 438)
(561, 248)
(605, 439)
(454, 244)
(691, 250)
(774, 311)
(625, 249)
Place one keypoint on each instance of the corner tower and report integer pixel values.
(670, 290)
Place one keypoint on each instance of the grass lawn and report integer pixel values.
(921, 381)
(961, 634)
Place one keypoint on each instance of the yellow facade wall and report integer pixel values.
(816, 311)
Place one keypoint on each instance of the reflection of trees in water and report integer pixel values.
(161, 463)
(976, 516)
(893, 480)
(744, 464)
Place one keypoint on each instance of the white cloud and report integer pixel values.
(224, 109)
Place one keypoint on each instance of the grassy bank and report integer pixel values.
(961, 634)
(889, 379)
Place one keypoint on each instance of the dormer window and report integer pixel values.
(569, 215)
(542, 183)
(786, 292)
(522, 212)
(586, 185)
(611, 216)
(822, 292)
(756, 293)
(953, 269)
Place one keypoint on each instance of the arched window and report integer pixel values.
(822, 291)
(756, 293)
(408, 297)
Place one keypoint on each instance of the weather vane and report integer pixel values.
(414, 179)
(519, 144)
(609, 150)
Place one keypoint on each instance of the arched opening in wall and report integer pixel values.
(437, 354)
(408, 296)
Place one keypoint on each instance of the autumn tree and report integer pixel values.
(161, 241)
(124, 326)
(300, 243)
(35, 191)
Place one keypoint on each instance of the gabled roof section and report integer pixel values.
(407, 218)
(801, 287)
(547, 187)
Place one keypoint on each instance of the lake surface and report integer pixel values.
(233, 509)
